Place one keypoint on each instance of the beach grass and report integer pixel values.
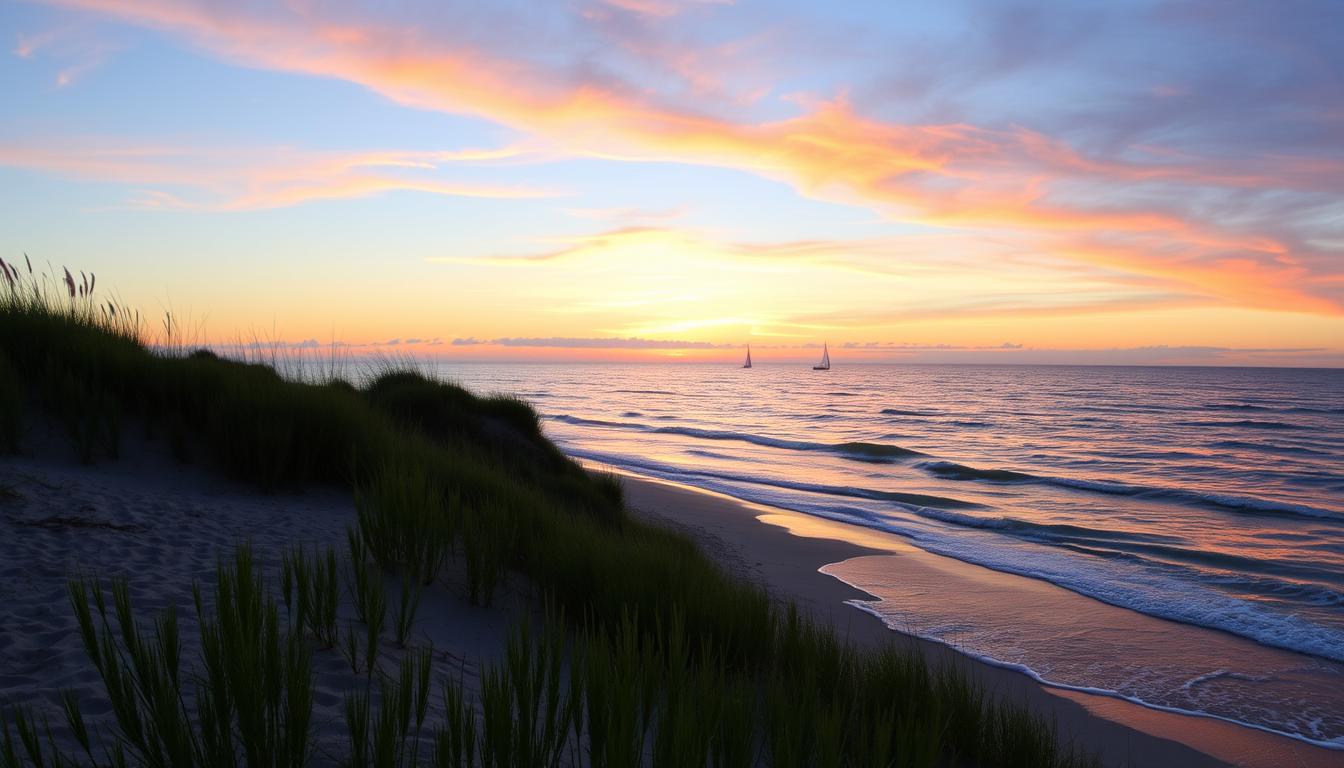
(252, 686)
(662, 658)
(310, 585)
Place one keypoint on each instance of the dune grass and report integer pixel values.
(664, 658)
(309, 589)
(252, 686)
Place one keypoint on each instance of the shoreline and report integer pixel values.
(790, 552)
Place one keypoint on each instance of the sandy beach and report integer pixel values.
(163, 525)
(786, 551)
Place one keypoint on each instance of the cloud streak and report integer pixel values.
(245, 179)
(562, 342)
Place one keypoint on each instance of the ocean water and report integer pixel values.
(1209, 499)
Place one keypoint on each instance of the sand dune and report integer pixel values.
(163, 525)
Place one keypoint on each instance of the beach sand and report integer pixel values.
(785, 550)
(161, 525)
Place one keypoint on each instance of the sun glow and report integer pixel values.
(637, 177)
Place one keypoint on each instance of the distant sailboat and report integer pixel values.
(748, 363)
(825, 364)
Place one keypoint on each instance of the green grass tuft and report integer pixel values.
(252, 686)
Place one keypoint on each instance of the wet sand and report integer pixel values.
(785, 550)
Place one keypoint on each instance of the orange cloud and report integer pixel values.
(1255, 283)
(953, 175)
(232, 179)
(659, 8)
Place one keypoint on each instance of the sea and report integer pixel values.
(1207, 504)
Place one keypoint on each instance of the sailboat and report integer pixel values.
(825, 364)
(748, 363)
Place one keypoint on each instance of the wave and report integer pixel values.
(1253, 407)
(953, 471)
(1124, 408)
(909, 501)
(1268, 447)
(870, 607)
(903, 412)
(1309, 409)
(1319, 595)
(1243, 424)
(1052, 533)
(644, 392)
(579, 420)
(916, 502)
(1253, 504)
(1289, 583)
(879, 453)
(631, 415)
(1223, 674)
(1253, 577)
(708, 454)
(873, 451)
(970, 521)
(1154, 454)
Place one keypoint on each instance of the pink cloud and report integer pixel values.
(661, 8)
(240, 179)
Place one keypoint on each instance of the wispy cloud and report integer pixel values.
(660, 8)
(892, 346)
(581, 245)
(71, 48)
(242, 179)
(591, 343)
(28, 45)
(1146, 355)
(864, 254)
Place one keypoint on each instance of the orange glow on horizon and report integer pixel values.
(661, 180)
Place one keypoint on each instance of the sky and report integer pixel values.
(1126, 182)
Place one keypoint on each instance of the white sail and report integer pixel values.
(748, 363)
(825, 364)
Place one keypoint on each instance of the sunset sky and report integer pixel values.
(1125, 182)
